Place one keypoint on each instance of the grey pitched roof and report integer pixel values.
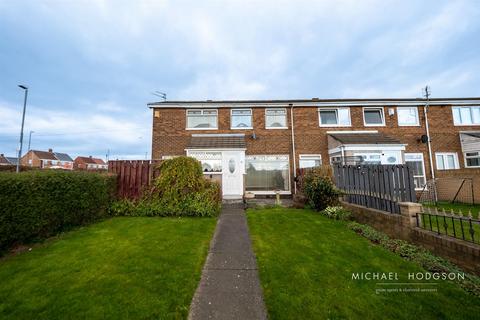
(3, 160)
(364, 138)
(12, 160)
(472, 134)
(217, 141)
(62, 156)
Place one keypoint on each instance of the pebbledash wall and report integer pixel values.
(170, 137)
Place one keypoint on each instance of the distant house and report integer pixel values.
(47, 159)
(3, 160)
(7, 161)
(90, 163)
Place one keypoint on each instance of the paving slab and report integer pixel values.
(232, 261)
(230, 286)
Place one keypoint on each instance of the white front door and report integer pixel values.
(233, 168)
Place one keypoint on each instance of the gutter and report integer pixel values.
(293, 152)
(429, 144)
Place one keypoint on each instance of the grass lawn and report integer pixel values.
(134, 268)
(457, 207)
(306, 263)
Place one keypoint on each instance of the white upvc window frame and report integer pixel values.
(202, 111)
(369, 155)
(444, 155)
(471, 116)
(271, 192)
(416, 154)
(336, 109)
(305, 156)
(241, 128)
(465, 157)
(274, 128)
(382, 114)
(416, 124)
(197, 154)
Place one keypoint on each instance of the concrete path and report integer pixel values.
(230, 287)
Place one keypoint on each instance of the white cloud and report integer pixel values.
(75, 132)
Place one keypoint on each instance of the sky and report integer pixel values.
(92, 66)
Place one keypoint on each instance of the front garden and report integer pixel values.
(135, 268)
(69, 249)
(79, 253)
(306, 263)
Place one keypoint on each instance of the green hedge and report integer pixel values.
(39, 204)
(179, 190)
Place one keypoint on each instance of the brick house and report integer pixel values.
(89, 163)
(252, 145)
(47, 159)
(4, 161)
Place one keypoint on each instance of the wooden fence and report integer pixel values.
(133, 176)
(376, 186)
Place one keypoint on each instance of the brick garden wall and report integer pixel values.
(462, 253)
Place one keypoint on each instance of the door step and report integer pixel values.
(233, 203)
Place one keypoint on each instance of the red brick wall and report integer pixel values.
(171, 138)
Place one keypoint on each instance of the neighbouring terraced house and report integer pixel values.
(256, 146)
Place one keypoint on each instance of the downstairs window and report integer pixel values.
(472, 159)
(267, 173)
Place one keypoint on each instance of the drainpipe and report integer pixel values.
(293, 152)
(429, 144)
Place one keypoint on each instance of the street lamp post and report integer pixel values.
(23, 122)
(30, 139)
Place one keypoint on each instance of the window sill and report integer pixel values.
(243, 128)
(335, 126)
(201, 129)
(409, 125)
(276, 128)
(467, 125)
(374, 125)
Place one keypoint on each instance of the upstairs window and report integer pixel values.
(464, 116)
(373, 117)
(447, 160)
(276, 118)
(408, 116)
(241, 119)
(337, 117)
(202, 119)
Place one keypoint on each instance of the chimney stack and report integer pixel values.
(50, 150)
(90, 157)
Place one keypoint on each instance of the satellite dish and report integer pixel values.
(424, 138)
